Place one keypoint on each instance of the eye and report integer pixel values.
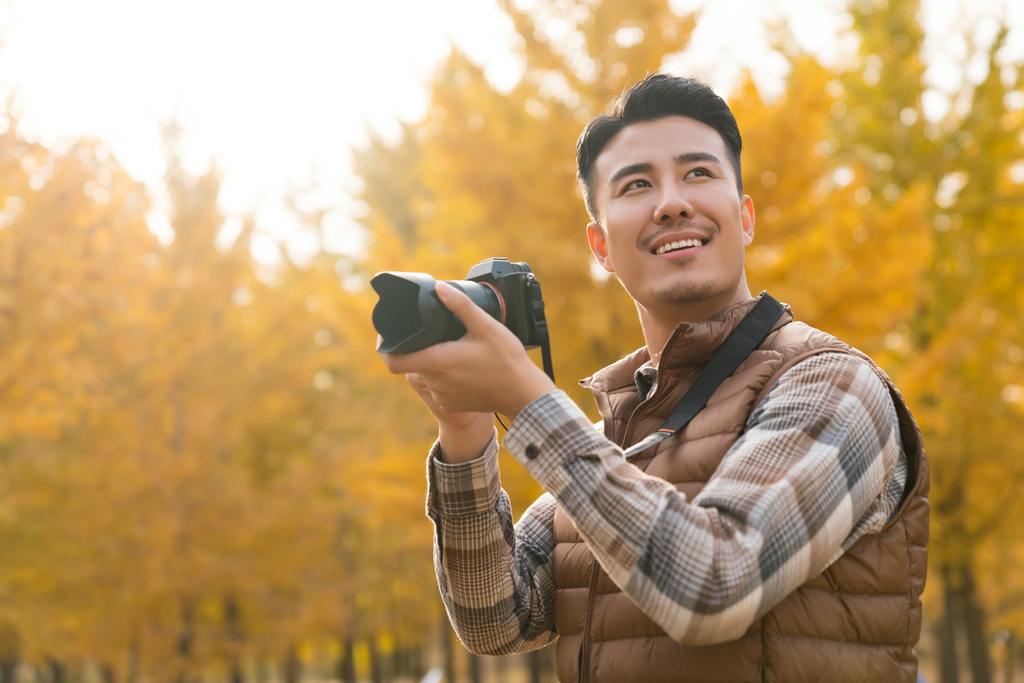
(699, 173)
(634, 184)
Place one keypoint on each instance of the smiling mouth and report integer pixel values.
(679, 246)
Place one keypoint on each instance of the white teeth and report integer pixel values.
(681, 244)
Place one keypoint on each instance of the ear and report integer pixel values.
(599, 246)
(747, 219)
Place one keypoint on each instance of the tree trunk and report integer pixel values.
(185, 639)
(398, 662)
(449, 650)
(474, 668)
(263, 671)
(376, 671)
(236, 675)
(233, 620)
(132, 676)
(416, 668)
(58, 673)
(8, 670)
(292, 666)
(949, 667)
(346, 668)
(1010, 661)
(981, 669)
(536, 665)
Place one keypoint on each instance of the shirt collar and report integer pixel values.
(646, 378)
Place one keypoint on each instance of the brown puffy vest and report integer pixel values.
(857, 621)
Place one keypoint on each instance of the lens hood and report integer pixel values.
(406, 300)
(409, 315)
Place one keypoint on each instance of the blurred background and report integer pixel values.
(206, 474)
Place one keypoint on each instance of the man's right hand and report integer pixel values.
(463, 436)
(464, 381)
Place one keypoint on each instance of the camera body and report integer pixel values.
(409, 315)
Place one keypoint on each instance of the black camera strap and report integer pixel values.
(740, 343)
(541, 323)
(542, 335)
(545, 349)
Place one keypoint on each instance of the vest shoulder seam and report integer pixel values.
(851, 594)
(855, 643)
(765, 636)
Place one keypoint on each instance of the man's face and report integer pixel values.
(673, 226)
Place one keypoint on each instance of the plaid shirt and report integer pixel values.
(819, 465)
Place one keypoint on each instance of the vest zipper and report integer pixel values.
(639, 412)
(633, 419)
(630, 428)
(584, 676)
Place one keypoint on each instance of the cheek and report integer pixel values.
(737, 254)
(619, 248)
(623, 227)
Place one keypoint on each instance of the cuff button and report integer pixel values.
(532, 451)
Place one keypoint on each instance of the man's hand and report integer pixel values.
(463, 381)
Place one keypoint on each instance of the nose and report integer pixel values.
(672, 205)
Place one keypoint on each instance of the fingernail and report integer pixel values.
(442, 288)
(379, 340)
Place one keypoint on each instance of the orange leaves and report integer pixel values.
(169, 443)
(178, 435)
(859, 225)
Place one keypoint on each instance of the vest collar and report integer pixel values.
(691, 345)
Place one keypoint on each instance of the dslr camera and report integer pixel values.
(409, 315)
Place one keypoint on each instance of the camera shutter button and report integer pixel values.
(532, 451)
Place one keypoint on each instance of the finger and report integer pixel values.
(471, 315)
(400, 364)
(417, 361)
(415, 381)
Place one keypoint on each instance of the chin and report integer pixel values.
(686, 293)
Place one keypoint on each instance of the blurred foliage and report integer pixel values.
(180, 439)
(204, 465)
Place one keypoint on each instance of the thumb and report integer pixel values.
(461, 305)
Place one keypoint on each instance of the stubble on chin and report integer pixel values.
(685, 293)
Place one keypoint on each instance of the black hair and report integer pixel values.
(656, 97)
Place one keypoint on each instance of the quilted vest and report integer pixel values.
(857, 621)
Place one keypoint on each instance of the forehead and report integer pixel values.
(657, 142)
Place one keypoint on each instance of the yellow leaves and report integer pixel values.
(898, 234)
(847, 263)
(178, 433)
(163, 445)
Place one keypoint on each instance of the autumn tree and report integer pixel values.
(181, 436)
(900, 234)
(896, 232)
(205, 466)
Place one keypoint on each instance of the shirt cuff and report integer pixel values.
(550, 432)
(463, 489)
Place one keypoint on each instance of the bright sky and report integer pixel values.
(276, 94)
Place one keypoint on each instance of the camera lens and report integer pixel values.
(400, 318)
(409, 316)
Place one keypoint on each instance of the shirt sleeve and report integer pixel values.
(817, 467)
(495, 577)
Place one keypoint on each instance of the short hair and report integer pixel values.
(656, 97)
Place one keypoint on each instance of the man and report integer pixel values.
(778, 537)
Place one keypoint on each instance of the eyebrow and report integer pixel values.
(691, 157)
(646, 167)
(629, 170)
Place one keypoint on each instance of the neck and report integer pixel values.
(659, 324)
